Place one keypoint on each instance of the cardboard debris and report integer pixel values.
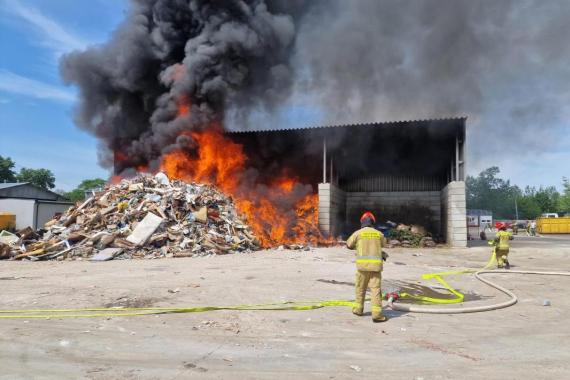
(202, 215)
(5, 251)
(143, 217)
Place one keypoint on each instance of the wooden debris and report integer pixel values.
(144, 217)
(5, 251)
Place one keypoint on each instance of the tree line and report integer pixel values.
(489, 192)
(43, 178)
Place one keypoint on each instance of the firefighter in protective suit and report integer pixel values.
(502, 248)
(368, 244)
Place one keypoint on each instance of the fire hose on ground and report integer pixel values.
(459, 297)
(474, 309)
(303, 305)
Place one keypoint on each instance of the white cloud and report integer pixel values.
(19, 85)
(50, 33)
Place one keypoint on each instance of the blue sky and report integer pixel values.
(36, 108)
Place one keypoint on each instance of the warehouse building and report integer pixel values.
(32, 205)
(409, 172)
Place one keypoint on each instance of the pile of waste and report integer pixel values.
(407, 236)
(143, 217)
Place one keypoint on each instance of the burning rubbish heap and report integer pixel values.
(202, 67)
(143, 217)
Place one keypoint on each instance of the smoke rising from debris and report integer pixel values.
(197, 55)
(502, 63)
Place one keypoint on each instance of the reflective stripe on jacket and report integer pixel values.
(503, 237)
(368, 244)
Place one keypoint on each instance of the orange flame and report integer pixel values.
(275, 213)
(182, 106)
(115, 179)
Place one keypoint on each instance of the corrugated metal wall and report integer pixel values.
(393, 183)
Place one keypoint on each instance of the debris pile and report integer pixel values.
(144, 217)
(408, 236)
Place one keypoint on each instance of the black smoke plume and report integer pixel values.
(502, 63)
(201, 54)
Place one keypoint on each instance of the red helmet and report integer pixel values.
(367, 215)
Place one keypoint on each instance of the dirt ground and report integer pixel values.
(528, 340)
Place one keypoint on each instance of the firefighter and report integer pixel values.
(527, 227)
(368, 243)
(502, 248)
(515, 228)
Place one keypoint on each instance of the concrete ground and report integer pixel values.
(528, 340)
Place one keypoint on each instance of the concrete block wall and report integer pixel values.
(332, 209)
(454, 214)
(447, 208)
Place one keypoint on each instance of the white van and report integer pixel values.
(550, 215)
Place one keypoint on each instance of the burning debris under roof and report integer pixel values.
(282, 211)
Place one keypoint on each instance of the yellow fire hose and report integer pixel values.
(294, 305)
(475, 309)
(459, 296)
(137, 311)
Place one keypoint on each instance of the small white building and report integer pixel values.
(32, 205)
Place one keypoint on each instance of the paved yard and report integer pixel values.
(528, 340)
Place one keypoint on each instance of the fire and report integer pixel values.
(182, 106)
(219, 161)
(115, 179)
(281, 212)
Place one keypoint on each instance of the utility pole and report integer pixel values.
(516, 209)
(325, 160)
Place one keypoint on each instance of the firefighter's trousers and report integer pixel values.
(502, 256)
(363, 281)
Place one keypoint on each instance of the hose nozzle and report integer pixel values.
(392, 297)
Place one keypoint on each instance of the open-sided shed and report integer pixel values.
(405, 171)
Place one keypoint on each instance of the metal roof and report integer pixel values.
(26, 190)
(418, 122)
(403, 148)
(11, 184)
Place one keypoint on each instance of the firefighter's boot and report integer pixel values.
(380, 318)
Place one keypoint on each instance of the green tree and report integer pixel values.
(548, 199)
(78, 193)
(528, 207)
(564, 200)
(489, 192)
(7, 173)
(43, 178)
